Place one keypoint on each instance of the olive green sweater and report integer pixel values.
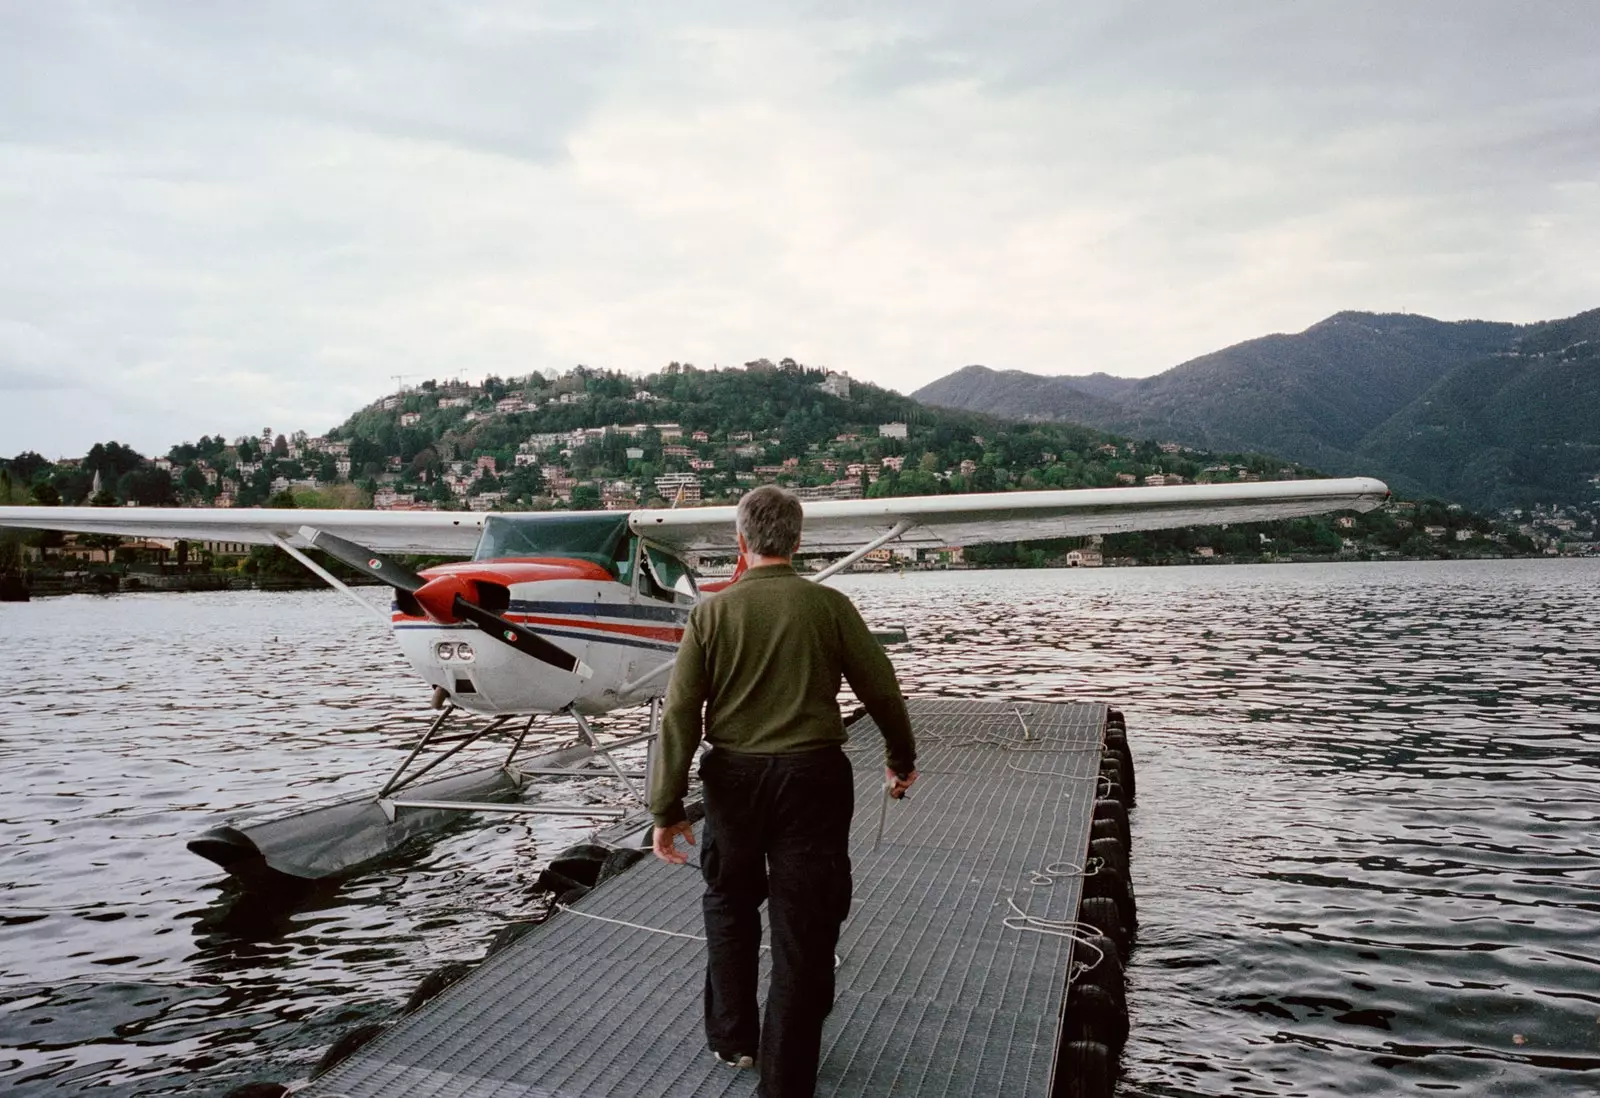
(763, 661)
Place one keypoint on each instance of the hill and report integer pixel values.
(594, 438)
(1492, 415)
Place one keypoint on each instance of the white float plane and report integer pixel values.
(580, 613)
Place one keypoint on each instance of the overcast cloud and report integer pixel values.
(220, 216)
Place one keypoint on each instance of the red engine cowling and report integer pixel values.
(437, 597)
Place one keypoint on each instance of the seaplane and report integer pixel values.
(571, 615)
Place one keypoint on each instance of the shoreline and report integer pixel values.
(48, 585)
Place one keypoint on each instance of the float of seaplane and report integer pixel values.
(555, 618)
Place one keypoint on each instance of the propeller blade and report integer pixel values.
(403, 579)
(364, 560)
(523, 640)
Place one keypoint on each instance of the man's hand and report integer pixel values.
(897, 785)
(666, 842)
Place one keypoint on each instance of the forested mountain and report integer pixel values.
(1488, 414)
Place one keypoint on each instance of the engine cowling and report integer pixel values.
(437, 597)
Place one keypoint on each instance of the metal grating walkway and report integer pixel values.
(936, 994)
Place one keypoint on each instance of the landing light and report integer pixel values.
(445, 650)
(463, 651)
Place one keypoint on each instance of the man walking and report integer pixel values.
(764, 660)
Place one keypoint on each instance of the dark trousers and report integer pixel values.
(777, 829)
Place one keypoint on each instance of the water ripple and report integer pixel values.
(1365, 846)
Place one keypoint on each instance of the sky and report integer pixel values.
(225, 216)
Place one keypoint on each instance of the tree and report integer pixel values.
(111, 460)
(106, 543)
(148, 487)
(27, 467)
(426, 464)
(10, 491)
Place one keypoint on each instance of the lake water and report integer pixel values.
(1367, 847)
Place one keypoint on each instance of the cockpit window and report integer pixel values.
(671, 575)
(598, 536)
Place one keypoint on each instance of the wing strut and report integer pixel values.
(333, 581)
(842, 563)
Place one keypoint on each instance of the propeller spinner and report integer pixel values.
(444, 599)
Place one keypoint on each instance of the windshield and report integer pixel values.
(598, 536)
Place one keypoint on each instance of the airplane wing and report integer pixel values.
(831, 525)
(979, 518)
(452, 533)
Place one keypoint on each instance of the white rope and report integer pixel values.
(1047, 876)
(634, 926)
(1028, 743)
(655, 929)
(1071, 929)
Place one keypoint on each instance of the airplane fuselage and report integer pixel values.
(613, 627)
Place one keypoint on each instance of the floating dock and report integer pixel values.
(954, 966)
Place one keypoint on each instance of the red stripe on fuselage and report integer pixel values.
(513, 570)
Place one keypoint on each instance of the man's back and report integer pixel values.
(775, 647)
(765, 658)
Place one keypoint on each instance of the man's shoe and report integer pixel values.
(735, 1059)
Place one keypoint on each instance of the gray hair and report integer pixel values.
(770, 520)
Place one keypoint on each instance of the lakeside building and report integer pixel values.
(619, 495)
(850, 488)
(679, 486)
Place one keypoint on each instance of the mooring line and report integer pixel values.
(655, 929)
(1072, 929)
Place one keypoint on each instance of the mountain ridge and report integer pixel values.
(1490, 413)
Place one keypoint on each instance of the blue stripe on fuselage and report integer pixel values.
(592, 638)
(601, 610)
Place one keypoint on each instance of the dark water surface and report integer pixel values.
(1367, 848)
